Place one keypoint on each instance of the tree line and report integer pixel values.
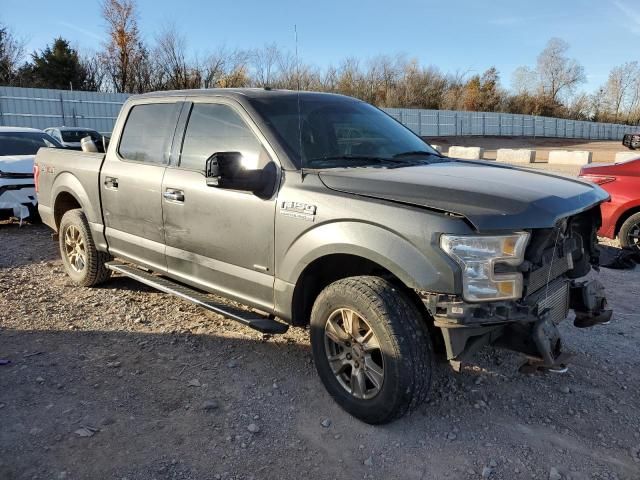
(127, 63)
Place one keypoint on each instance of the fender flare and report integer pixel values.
(66, 182)
(375, 243)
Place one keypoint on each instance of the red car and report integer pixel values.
(620, 216)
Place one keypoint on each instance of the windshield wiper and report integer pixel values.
(363, 158)
(415, 152)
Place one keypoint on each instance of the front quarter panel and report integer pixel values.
(402, 239)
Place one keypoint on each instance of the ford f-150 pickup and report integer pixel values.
(320, 210)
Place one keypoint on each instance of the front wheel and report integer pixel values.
(82, 261)
(371, 348)
(629, 234)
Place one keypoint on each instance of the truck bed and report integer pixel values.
(77, 174)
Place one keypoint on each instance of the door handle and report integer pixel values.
(174, 195)
(111, 182)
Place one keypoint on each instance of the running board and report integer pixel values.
(252, 320)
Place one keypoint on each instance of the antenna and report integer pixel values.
(295, 32)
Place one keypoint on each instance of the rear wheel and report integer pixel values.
(371, 348)
(629, 234)
(82, 261)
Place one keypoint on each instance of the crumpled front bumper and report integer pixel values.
(529, 325)
(17, 201)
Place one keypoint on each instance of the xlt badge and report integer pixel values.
(303, 211)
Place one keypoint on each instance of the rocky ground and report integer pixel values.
(122, 382)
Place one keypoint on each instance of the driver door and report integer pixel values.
(217, 239)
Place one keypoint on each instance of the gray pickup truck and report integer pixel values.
(321, 211)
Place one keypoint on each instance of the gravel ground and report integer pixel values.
(124, 382)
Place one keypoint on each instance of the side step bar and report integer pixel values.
(250, 319)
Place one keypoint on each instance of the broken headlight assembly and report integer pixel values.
(478, 257)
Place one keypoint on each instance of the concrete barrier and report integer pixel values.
(437, 148)
(520, 155)
(622, 156)
(467, 153)
(570, 157)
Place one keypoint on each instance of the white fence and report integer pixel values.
(437, 123)
(42, 108)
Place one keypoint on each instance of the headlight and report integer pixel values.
(478, 256)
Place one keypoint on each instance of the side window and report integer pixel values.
(148, 132)
(217, 128)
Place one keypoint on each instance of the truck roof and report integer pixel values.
(240, 93)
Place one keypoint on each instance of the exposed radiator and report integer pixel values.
(556, 298)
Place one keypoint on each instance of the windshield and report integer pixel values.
(77, 135)
(25, 143)
(339, 132)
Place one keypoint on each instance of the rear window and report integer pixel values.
(24, 143)
(77, 135)
(148, 133)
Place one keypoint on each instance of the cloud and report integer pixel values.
(81, 30)
(632, 20)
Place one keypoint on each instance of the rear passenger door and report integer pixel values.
(131, 181)
(218, 239)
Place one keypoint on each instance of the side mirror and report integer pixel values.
(227, 170)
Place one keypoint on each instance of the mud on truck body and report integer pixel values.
(321, 211)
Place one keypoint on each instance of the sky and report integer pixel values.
(465, 36)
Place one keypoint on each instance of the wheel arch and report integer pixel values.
(624, 216)
(357, 249)
(68, 193)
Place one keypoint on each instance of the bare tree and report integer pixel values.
(557, 73)
(171, 61)
(618, 90)
(265, 62)
(225, 68)
(11, 53)
(123, 52)
(524, 80)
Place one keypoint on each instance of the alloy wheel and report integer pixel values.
(75, 248)
(633, 236)
(354, 354)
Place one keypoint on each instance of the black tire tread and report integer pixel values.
(97, 272)
(407, 327)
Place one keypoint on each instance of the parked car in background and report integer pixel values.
(69, 137)
(620, 216)
(631, 140)
(18, 147)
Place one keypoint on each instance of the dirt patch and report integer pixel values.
(125, 382)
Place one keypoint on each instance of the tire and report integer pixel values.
(385, 315)
(630, 232)
(83, 263)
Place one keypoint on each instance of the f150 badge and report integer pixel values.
(303, 211)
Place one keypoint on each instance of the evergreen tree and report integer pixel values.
(57, 66)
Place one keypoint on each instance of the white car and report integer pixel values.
(18, 147)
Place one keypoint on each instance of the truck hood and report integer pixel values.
(17, 163)
(490, 196)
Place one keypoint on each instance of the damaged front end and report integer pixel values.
(554, 280)
(17, 195)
